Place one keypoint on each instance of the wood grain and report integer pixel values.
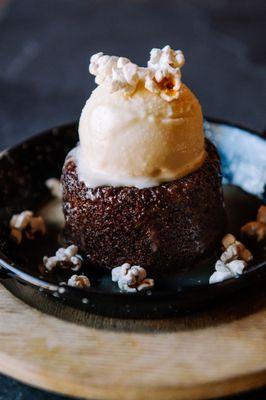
(109, 364)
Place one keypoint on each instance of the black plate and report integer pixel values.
(23, 171)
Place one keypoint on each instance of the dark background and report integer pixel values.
(45, 46)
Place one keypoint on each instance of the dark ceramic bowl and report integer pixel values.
(25, 168)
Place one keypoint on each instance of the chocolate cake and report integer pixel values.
(163, 227)
(143, 186)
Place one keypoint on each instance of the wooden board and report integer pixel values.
(204, 356)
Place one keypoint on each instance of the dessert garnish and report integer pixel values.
(233, 260)
(26, 224)
(79, 281)
(55, 187)
(131, 278)
(162, 74)
(256, 229)
(66, 258)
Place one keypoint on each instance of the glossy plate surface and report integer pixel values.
(23, 172)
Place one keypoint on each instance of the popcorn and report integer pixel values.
(146, 284)
(55, 187)
(166, 60)
(50, 262)
(119, 271)
(231, 253)
(37, 225)
(165, 65)
(228, 240)
(65, 258)
(162, 75)
(116, 73)
(220, 266)
(22, 220)
(79, 281)
(236, 267)
(220, 276)
(256, 228)
(261, 216)
(16, 235)
(234, 250)
(131, 278)
(227, 271)
(233, 260)
(26, 223)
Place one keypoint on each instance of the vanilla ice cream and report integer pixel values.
(137, 129)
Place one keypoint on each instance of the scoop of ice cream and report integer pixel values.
(139, 140)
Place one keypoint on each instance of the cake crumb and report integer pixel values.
(79, 281)
(55, 187)
(131, 278)
(64, 258)
(256, 229)
(233, 260)
(28, 224)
